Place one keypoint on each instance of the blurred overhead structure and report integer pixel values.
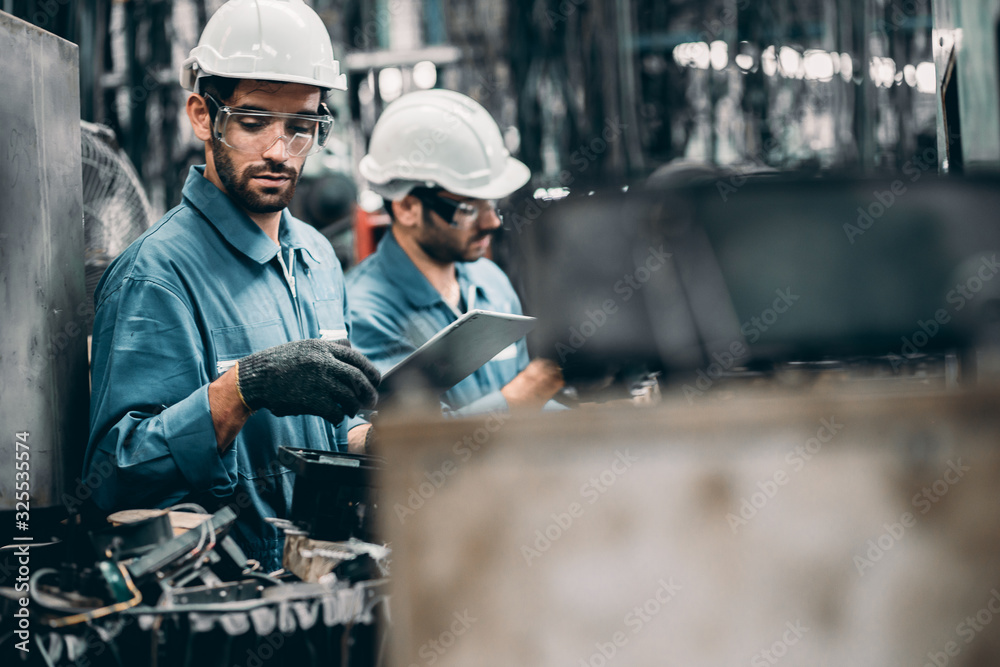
(586, 91)
(615, 88)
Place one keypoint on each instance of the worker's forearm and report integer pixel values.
(357, 439)
(533, 386)
(229, 413)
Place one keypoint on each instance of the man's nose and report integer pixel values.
(489, 218)
(278, 150)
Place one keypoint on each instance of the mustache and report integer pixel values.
(271, 168)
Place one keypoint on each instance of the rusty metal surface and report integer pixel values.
(43, 359)
(830, 529)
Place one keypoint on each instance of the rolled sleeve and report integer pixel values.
(150, 416)
(189, 434)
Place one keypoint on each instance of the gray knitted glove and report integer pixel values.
(308, 377)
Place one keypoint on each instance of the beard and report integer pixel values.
(239, 188)
(445, 247)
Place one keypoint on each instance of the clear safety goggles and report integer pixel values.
(253, 131)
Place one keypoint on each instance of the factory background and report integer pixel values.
(835, 86)
(826, 170)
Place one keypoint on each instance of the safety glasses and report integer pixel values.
(253, 131)
(456, 213)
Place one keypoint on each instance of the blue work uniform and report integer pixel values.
(200, 289)
(395, 310)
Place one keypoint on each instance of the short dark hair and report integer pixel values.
(219, 87)
(418, 191)
(222, 88)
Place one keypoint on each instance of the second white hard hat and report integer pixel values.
(268, 40)
(440, 138)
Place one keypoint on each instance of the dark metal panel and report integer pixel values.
(43, 359)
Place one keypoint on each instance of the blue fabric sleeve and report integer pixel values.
(380, 339)
(355, 421)
(150, 417)
(492, 402)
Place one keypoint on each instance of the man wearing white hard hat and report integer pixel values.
(221, 333)
(439, 161)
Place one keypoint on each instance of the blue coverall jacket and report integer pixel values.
(202, 288)
(395, 310)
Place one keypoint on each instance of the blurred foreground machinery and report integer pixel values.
(817, 483)
(160, 587)
(754, 278)
(834, 528)
(137, 594)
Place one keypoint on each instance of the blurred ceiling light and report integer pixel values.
(693, 54)
(678, 53)
(744, 61)
(719, 55)
(882, 71)
(846, 67)
(550, 194)
(390, 83)
(768, 62)
(424, 74)
(700, 55)
(791, 62)
(926, 77)
(818, 65)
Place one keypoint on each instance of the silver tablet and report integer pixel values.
(459, 349)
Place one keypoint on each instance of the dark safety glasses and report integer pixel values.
(455, 212)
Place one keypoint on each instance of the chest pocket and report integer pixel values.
(233, 343)
(329, 315)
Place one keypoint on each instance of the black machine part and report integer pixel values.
(130, 540)
(171, 555)
(334, 494)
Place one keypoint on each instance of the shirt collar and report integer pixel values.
(291, 237)
(465, 281)
(401, 270)
(235, 225)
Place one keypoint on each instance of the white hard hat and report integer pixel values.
(440, 138)
(269, 40)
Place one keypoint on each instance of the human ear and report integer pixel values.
(201, 121)
(408, 211)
